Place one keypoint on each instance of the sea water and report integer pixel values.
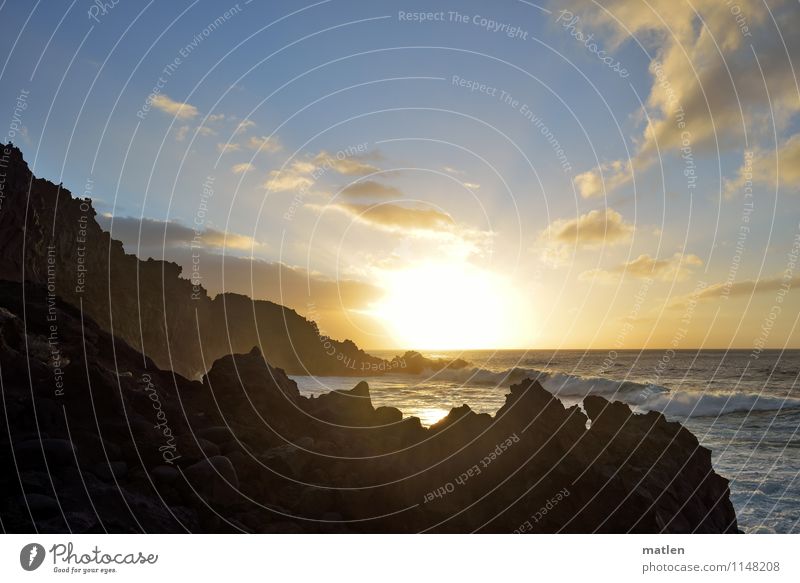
(745, 408)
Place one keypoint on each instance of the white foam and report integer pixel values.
(697, 404)
(641, 396)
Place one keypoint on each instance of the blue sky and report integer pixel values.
(463, 174)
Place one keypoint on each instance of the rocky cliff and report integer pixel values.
(49, 237)
(95, 437)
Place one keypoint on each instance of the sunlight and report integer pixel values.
(454, 306)
(430, 415)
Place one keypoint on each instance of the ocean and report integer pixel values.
(745, 409)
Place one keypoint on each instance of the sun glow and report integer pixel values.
(454, 306)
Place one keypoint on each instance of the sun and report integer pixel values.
(454, 306)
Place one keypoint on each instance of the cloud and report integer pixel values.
(242, 168)
(349, 166)
(425, 225)
(777, 168)
(183, 131)
(224, 148)
(370, 188)
(216, 117)
(678, 266)
(264, 144)
(706, 84)
(153, 238)
(472, 185)
(302, 173)
(287, 180)
(594, 229)
(176, 108)
(243, 126)
(451, 170)
(745, 288)
(395, 218)
(596, 182)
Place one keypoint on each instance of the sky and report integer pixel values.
(437, 175)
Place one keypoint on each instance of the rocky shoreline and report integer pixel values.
(124, 446)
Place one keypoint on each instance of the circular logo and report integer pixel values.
(31, 556)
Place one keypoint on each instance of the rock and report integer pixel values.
(59, 452)
(217, 434)
(388, 415)
(109, 471)
(164, 474)
(41, 505)
(215, 478)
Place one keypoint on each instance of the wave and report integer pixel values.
(697, 404)
(642, 397)
(560, 384)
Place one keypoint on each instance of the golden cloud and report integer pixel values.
(349, 166)
(224, 148)
(775, 168)
(745, 288)
(392, 217)
(264, 144)
(371, 188)
(678, 266)
(242, 168)
(703, 93)
(180, 110)
(593, 229)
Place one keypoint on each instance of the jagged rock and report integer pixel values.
(140, 295)
(334, 455)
